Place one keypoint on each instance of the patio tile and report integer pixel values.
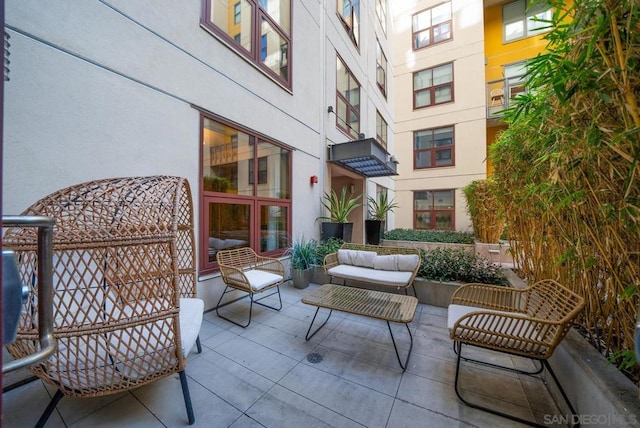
(258, 358)
(245, 421)
(229, 380)
(349, 399)
(380, 378)
(124, 411)
(270, 337)
(441, 398)
(407, 415)
(362, 349)
(22, 406)
(281, 408)
(165, 400)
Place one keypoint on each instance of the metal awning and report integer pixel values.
(364, 157)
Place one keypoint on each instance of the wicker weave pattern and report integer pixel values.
(234, 262)
(541, 317)
(123, 256)
(331, 260)
(375, 304)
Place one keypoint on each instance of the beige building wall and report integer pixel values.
(466, 113)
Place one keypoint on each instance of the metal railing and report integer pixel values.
(501, 94)
(45, 288)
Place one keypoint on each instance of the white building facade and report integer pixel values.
(241, 97)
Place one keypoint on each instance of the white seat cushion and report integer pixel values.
(382, 277)
(502, 331)
(357, 257)
(191, 312)
(259, 279)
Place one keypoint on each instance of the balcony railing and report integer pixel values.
(502, 93)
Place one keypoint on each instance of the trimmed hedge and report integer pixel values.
(456, 264)
(447, 236)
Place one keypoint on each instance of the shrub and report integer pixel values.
(448, 236)
(329, 246)
(456, 264)
(303, 254)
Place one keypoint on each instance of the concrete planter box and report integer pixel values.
(496, 253)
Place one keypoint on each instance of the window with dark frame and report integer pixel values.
(381, 130)
(381, 69)
(237, 211)
(260, 31)
(433, 86)
(432, 26)
(433, 148)
(523, 18)
(349, 14)
(434, 209)
(347, 100)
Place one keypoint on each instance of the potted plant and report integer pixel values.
(303, 259)
(339, 208)
(378, 210)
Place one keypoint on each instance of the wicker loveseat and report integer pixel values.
(125, 312)
(374, 264)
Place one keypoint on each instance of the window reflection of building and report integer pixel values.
(241, 22)
(245, 192)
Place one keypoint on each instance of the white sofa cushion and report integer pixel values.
(397, 262)
(191, 312)
(357, 258)
(259, 279)
(382, 277)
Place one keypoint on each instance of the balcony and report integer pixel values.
(502, 93)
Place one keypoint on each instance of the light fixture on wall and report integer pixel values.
(352, 188)
(313, 179)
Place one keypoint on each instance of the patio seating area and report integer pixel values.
(269, 375)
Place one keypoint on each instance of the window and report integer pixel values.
(246, 196)
(523, 18)
(515, 78)
(260, 31)
(381, 13)
(433, 148)
(433, 86)
(349, 13)
(381, 130)
(434, 209)
(347, 100)
(381, 69)
(432, 26)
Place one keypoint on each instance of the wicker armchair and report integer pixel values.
(528, 322)
(125, 312)
(242, 269)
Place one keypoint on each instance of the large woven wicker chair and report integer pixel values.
(125, 312)
(528, 322)
(242, 269)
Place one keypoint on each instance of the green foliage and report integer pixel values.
(378, 209)
(456, 264)
(328, 246)
(485, 210)
(568, 171)
(339, 207)
(303, 254)
(448, 236)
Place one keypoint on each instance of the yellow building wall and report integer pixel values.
(498, 54)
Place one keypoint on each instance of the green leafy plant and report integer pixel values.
(303, 253)
(448, 236)
(456, 264)
(378, 209)
(328, 246)
(339, 207)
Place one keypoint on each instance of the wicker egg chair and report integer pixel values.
(125, 312)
